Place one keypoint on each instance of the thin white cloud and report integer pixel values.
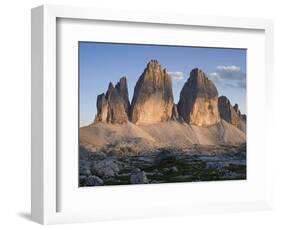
(215, 77)
(229, 68)
(177, 75)
(229, 76)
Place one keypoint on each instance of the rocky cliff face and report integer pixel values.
(102, 108)
(198, 104)
(153, 101)
(153, 96)
(242, 116)
(230, 113)
(227, 111)
(113, 106)
(175, 114)
(122, 89)
(200, 117)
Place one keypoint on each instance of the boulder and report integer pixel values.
(105, 168)
(165, 157)
(84, 171)
(138, 177)
(198, 104)
(174, 169)
(93, 181)
(153, 96)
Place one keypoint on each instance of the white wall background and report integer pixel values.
(15, 112)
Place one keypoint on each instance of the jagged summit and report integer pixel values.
(110, 86)
(113, 106)
(153, 120)
(153, 101)
(198, 104)
(242, 116)
(230, 113)
(153, 95)
(122, 89)
(202, 86)
(153, 63)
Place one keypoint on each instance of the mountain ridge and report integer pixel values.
(153, 120)
(153, 100)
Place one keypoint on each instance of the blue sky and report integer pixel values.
(101, 63)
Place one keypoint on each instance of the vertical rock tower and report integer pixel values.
(198, 104)
(153, 96)
(122, 89)
(227, 111)
(231, 114)
(113, 106)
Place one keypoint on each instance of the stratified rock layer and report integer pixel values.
(153, 96)
(114, 106)
(198, 104)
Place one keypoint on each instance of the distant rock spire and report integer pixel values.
(113, 106)
(231, 114)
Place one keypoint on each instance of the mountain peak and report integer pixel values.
(110, 86)
(198, 103)
(153, 65)
(122, 81)
(196, 72)
(153, 96)
(122, 89)
(230, 113)
(199, 82)
(153, 62)
(113, 106)
(122, 84)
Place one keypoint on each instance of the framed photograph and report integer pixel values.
(141, 114)
(161, 125)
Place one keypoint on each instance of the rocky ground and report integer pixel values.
(196, 163)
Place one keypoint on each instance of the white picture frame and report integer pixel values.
(45, 206)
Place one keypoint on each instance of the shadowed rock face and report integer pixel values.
(231, 113)
(153, 96)
(102, 108)
(122, 89)
(152, 102)
(227, 112)
(114, 106)
(198, 104)
(242, 116)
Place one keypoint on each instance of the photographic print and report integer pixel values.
(152, 114)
